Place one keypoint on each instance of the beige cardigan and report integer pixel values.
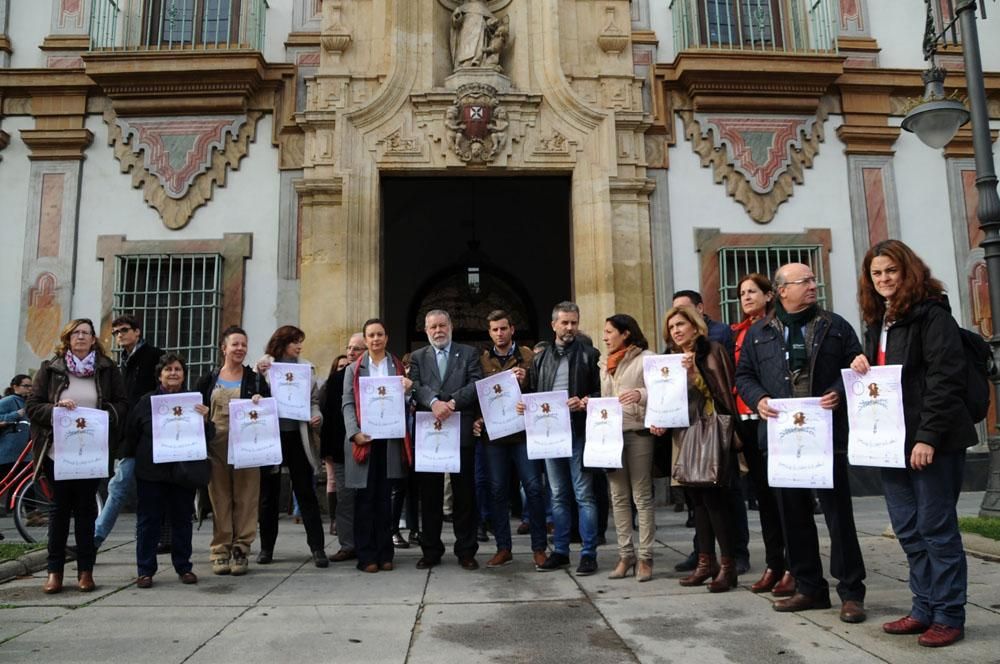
(628, 376)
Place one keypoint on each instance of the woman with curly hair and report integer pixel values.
(909, 322)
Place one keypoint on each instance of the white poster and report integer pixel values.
(383, 406)
(254, 439)
(604, 443)
(666, 391)
(178, 431)
(546, 420)
(291, 387)
(875, 413)
(438, 444)
(498, 398)
(800, 445)
(80, 443)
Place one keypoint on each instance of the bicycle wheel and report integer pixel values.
(32, 508)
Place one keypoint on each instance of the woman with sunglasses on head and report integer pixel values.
(80, 374)
(234, 492)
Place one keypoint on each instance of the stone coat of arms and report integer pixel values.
(476, 124)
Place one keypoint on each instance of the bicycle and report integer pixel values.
(30, 500)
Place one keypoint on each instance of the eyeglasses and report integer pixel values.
(120, 330)
(28, 385)
(357, 348)
(81, 333)
(803, 281)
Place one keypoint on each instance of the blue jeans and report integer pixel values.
(119, 488)
(501, 457)
(568, 478)
(922, 510)
(483, 500)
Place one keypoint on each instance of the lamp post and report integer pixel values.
(937, 117)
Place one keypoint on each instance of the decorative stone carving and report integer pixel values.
(336, 38)
(759, 158)
(612, 39)
(476, 124)
(177, 161)
(477, 36)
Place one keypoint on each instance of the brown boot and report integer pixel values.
(645, 571)
(726, 578)
(707, 568)
(85, 582)
(54, 583)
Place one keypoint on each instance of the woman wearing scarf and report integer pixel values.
(160, 497)
(370, 464)
(710, 390)
(80, 374)
(757, 299)
(285, 345)
(621, 376)
(909, 323)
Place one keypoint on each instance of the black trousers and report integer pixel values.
(802, 539)
(713, 520)
(405, 497)
(72, 499)
(300, 473)
(163, 503)
(767, 504)
(373, 523)
(464, 513)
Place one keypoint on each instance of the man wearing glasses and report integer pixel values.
(137, 363)
(798, 352)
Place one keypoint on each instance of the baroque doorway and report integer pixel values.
(470, 245)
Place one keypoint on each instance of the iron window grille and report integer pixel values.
(737, 262)
(178, 301)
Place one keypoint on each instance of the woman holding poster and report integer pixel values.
(710, 391)
(621, 376)
(371, 462)
(234, 492)
(79, 375)
(757, 299)
(159, 494)
(289, 385)
(909, 323)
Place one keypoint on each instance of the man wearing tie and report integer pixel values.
(444, 376)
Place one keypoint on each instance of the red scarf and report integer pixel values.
(361, 452)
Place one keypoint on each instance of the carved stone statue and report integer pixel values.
(477, 36)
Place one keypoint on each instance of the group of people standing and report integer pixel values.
(787, 346)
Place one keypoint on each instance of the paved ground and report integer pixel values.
(293, 612)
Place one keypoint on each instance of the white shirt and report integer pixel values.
(380, 369)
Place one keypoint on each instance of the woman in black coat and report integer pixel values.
(909, 323)
(159, 492)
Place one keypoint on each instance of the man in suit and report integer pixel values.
(444, 376)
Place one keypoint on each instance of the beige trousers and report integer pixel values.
(235, 495)
(634, 482)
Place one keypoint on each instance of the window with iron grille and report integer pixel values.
(737, 262)
(177, 299)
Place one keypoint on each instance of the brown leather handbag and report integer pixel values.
(705, 448)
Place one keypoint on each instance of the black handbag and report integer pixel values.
(705, 450)
(190, 474)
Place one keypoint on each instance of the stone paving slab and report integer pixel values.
(536, 632)
(19, 620)
(269, 634)
(114, 634)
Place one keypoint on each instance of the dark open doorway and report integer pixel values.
(471, 245)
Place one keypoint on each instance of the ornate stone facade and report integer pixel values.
(382, 101)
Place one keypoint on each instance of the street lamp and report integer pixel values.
(936, 118)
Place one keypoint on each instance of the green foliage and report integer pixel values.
(985, 526)
(14, 550)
